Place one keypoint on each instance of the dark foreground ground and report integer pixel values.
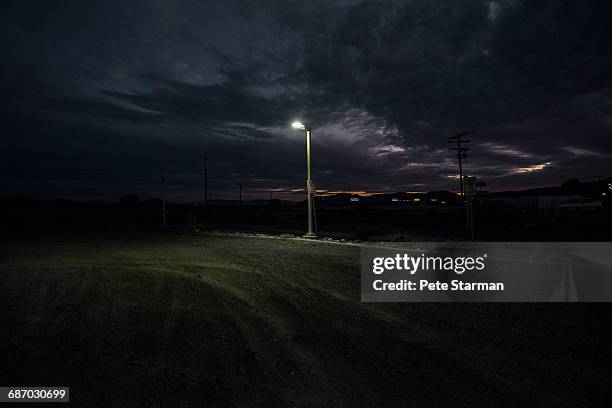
(145, 319)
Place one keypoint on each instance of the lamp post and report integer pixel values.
(309, 183)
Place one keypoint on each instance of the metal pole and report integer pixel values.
(163, 180)
(460, 157)
(205, 183)
(471, 206)
(309, 187)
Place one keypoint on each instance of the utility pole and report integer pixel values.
(163, 181)
(471, 189)
(240, 193)
(205, 183)
(461, 155)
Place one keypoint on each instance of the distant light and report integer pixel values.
(416, 200)
(298, 125)
(354, 199)
(532, 168)
(395, 200)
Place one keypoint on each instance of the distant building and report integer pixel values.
(550, 197)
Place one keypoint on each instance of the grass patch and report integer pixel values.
(166, 320)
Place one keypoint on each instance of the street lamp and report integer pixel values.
(309, 183)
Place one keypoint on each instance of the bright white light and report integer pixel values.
(298, 125)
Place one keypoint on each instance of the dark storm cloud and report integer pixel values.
(219, 103)
(101, 99)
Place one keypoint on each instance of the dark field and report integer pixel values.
(149, 318)
(402, 222)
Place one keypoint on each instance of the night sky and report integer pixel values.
(100, 99)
